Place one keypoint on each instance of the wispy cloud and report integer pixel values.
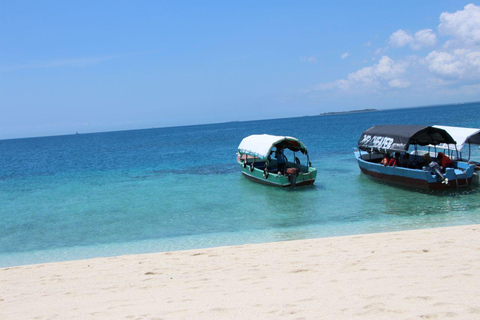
(81, 62)
(311, 59)
(345, 55)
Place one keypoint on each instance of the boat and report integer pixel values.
(261, 158)
(463, 137)
(417, 168)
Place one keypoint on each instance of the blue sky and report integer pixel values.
(89, 66)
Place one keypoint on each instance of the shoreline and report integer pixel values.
(431, 273)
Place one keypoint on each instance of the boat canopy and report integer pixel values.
(390, 138)
(462, 136)
(260, 145)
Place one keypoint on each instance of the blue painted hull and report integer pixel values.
(461, 176)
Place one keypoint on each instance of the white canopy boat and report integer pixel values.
(462, 137)
(261, 158)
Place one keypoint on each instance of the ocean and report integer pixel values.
(140, 191)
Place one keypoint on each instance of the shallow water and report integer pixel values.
(103, 194)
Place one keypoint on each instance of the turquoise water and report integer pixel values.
(90, 195)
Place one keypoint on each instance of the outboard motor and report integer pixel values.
(292, 174)
(435, 168)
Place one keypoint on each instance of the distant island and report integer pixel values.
(343, 112)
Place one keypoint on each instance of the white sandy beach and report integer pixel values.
(422, 274)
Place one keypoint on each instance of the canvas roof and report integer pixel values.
(399, 137)
(260, 145)
(462, 136)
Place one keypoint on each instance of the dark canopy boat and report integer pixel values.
(411, 168)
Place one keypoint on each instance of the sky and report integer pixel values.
(105, 65)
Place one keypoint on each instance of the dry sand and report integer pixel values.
(422, 274)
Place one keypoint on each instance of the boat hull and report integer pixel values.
(279, 180)
(415, 178)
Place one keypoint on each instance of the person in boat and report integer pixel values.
(444, 161)
(394, 161)
(386, 159)
(280, 157)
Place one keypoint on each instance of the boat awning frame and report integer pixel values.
(260, 145)
(462, 136)
(398, 138)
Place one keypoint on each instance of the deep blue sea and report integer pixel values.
(104, 194)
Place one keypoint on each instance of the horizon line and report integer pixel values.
(231, 121)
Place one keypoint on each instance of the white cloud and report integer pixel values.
(443, 63)
(400, 38)
(462, 64)
(421, 39)
(345, 55)
(387, 68)
(365, 77)
(452, 66)
(459, 59)
(399, 83)
(385, 72)
(463, 25)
